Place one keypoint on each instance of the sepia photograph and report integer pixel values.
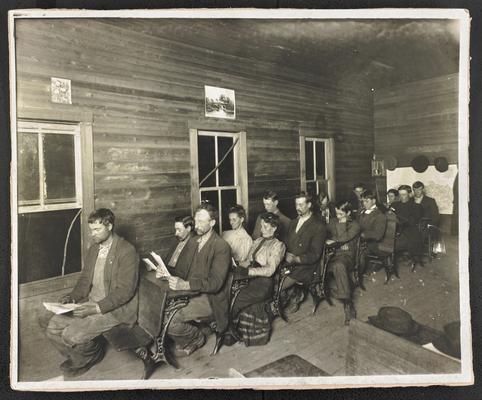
(236, 198)
(220, 102)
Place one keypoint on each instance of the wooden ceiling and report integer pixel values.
(379, 53)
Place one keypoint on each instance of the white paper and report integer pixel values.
(431, 347)
(161, 267)
(59, 308)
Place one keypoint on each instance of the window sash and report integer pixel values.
(41, 129)
(329, 167)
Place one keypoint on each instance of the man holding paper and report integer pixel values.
(107, 293)
(207, 273)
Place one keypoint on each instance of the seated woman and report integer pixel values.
(264, 257)
(343, 234)
(237, 238)
(409, 238)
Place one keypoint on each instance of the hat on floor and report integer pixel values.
(395, 320)
(449, 342)
(420, 163)
(441, 164)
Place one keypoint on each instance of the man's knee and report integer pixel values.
(72, 336)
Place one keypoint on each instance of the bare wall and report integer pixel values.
(409, 117)
(145, 93)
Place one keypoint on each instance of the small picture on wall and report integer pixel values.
(60, 91)
(219, 102)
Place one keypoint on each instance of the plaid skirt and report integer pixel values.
(254, 325)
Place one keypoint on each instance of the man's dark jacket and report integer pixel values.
(373, 227)
(121, 274)
(185, 258)
(308, 244)
(430, 210)
(208, 273)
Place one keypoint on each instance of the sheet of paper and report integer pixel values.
(431, 347)
(161, 267)
(150, 264)
(59, 308)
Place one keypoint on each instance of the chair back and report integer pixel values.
(387, 244)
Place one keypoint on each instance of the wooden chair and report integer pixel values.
(357, 273)
(317, 287)
(385, 257)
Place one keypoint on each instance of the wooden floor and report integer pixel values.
(430, 294)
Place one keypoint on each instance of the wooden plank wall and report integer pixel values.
(419, 118)
(146, 92)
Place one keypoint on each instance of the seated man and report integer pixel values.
(408, 239)
(429, 205)
(207, 276)
(237, 237)
(392, 197)
(270, 202)
(373, 224)
(107, 289)
(304, 245)
(264, 257)
(181, 253)
(356, 199)
(344, 232)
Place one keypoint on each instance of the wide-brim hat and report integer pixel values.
(449, 342)
(391, 162)
(396, 321)
(441, 164)
(420, 163)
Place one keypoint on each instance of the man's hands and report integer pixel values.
(85, 310)
(65, 299)
(176, 283)
(292, 259)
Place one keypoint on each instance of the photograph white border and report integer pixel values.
(464, 378)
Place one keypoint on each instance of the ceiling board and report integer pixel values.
(379, 53)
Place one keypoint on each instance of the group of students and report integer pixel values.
(414, 212)
(201, 261)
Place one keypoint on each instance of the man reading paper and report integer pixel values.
(107, 293)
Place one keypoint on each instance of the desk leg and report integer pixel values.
(160, 355)
(172, 307)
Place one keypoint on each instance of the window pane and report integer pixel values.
(311, 188)
(206, 162)
(212, 197)
(320, 160)
(27, 168)
(59, 161)
(228, 199)
(226, 170)
(309, 160)
(41, 239)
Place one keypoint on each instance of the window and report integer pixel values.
(225, 185)
(49, 193)
(317, 166)
(48, 166)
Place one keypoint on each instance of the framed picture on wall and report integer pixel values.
(219, 102)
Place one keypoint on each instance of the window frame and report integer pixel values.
(41, 129)
(85, 120)
(240, 170)
(329, 164)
